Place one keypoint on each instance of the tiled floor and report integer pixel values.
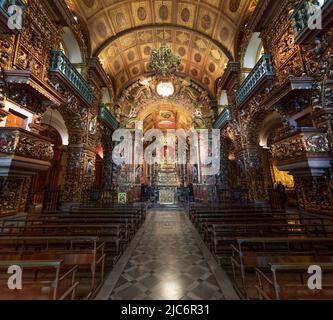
(167, 261)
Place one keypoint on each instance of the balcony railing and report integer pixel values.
(303, 13)
(61, 64)
(19, 142)
(223, 118)
(262, 70)
(108, 117)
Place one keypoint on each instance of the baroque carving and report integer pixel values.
(188, 94)
(23, 143)
(299, 144)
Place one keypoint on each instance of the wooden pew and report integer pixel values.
(132, 222)
(56, 286)
(226, 231)
(227, 206)
(210, 227)
(137, 219)
(113, 235)
(87, 253)
(227, 212)
(197, 218)
(288, 282)
(139, 209)
(128, 226)
(252, 253)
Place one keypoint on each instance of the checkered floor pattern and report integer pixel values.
(167, 264)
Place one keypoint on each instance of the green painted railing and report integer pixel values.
(5, 4)
(263, 68)
(60, 63)
(108, 117)
(223, 118)
(303, 12)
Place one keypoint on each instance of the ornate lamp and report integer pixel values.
(164, 63)
(165, 89)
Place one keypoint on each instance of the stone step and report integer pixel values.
(167, 207)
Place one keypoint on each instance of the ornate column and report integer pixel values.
(108, 165)
(252, 161)
(224, 170)
(253, 169)
(81, 151)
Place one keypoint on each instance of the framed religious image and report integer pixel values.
(89, 170)
(122, 197)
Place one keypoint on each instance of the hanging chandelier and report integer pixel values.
(163, 62)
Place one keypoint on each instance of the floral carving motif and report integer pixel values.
(23, 143)
(317, 143)
(300, 144)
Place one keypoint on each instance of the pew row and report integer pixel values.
(84, 253)
(259, 253)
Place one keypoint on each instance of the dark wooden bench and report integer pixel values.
(116, 210)
(113, 235)
(87, 253)
(220, 231)
(210, 227)
(198, 218)
(252, 253)
(136, 219)
(128, 226)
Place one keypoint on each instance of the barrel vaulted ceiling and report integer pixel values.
(201, 32)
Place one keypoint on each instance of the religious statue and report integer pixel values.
(138, 174)
(89, 168)
(93, 125)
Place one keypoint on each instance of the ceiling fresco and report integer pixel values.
(123, 32)
(126, 58)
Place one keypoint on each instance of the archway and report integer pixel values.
(266, 135)
(262, 131)
(253, 51)
(53, 118)
(46, 185)
(72, 49)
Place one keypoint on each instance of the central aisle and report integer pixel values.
(167, 261)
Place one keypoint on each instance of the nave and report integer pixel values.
(167, 261)
(166, 149)
(193, 252)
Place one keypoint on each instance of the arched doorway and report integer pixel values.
(45, 187)
(99, 168)
(276, 181)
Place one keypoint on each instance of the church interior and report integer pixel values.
(81, 226)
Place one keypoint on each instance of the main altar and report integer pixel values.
(167, 182)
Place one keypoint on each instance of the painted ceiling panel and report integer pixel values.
(201, 32)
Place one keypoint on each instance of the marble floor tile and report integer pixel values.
(167, 263)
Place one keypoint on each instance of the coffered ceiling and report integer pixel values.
(126, 58)
(123, 32)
